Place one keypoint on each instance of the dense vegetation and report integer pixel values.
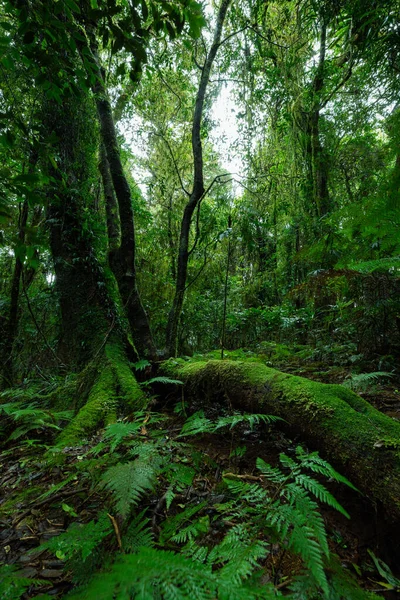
(174, 273)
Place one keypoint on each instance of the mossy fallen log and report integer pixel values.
(347, 430)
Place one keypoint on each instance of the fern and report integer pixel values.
(381, 264)
(361, 381)
(316, 464)
(163, 380)
(191, 531)
(162, 574)
(13, 584)
(290, 511)
(80, 540)
(320, 492)
(28, 417)
(199, 424)
(138, 534)
(116, 433)
(129, 482)
(239, 553)
(292, 524)
(171, 526)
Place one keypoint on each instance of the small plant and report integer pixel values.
(362, 381)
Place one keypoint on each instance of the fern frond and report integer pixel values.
(163, 380)
(290, 464)
(301, 539)
(250, 492)
(139, 534)
(320, 492)
(316, 464)
(391, 263)
(13, 584)
(197, 424)
(361, 381)
(151, 574)
(193, 530)
(249, 419)
(129, 482)
(79, 540)
(116, 433)
(273, 474)
(171, 526)
(239, 553)
(307, 507)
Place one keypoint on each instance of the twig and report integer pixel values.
(245, 476)
(117, 532)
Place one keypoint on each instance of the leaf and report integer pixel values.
(73, 6)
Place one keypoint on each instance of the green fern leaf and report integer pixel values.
(129, 482)
(163, 380)
(138, 534)
(316, 464)
(320, 492)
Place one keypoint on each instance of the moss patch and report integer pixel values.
(109, 387)
(362, 441)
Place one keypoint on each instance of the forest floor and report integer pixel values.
(40, 499)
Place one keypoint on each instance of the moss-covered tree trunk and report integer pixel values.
(123, 257)
(347, 430)
(92, 337)
(87, 311)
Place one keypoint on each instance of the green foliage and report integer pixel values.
(138, 535)
(198, 423)
(290, 511)
(361, 382)
(162, 380)
(80, 540)
(154, 573)
(130, 481)
(12, 584)
(28, 416)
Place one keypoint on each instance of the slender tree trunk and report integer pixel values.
(12, 322)
(198, 186)
(112, 216)
(319, 160)
(122, 259)
(171, 240)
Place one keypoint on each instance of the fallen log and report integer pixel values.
(358, 439)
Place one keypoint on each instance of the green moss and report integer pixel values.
(106, 386)
(346, 428)
(129, 389)
(99, 409)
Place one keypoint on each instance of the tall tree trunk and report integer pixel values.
(122, 259)
(7, 375)
(112, 216)
(318, 157)
(87, 311)
(198, 186)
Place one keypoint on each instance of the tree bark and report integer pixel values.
(347, 430)
(87, 311)
(198, 187)
(112, 216)
(7, 377)
(122, 259)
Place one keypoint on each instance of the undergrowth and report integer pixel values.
(157, 536)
